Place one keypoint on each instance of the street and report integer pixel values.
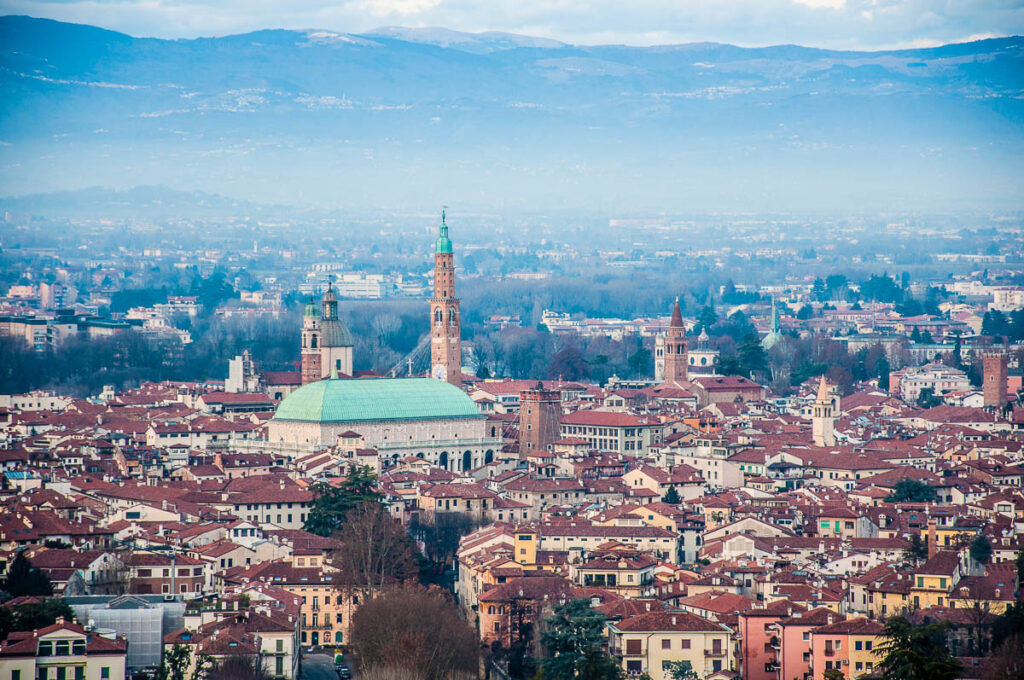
(318, 667)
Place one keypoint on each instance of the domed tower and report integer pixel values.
(335, 338)
(445, 325)
(311, 370)
(703, 359)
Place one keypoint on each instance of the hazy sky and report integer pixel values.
(854, 24)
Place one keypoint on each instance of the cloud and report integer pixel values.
(842, 24)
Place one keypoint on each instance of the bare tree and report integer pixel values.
(375, 550)
(1007, 661)
(412, 628)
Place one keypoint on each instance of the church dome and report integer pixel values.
(334, 333)
(375, 399)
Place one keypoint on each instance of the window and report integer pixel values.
(634, 646)
(686, 644)
(46, 648)
(666, 643)
(16, 674)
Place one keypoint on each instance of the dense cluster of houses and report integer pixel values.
(748, 536)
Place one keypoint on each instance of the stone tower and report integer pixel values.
(445, 328)
(994, 376)
(676, 349)
(540, 412)
(823, 417)
(335, 339)
(311, 371)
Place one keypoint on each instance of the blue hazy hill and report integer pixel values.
(411, 116)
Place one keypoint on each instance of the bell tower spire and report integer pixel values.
(445, 324)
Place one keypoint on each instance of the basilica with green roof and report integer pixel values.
(429, 418)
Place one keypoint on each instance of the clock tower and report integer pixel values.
(445, 329)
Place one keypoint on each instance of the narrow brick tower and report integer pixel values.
(994, 375)
(676, 349)
(540, 412)
(445, 329)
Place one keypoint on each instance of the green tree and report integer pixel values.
(916, 551)
(175, 662)
(981, 549)
(34, 615)
(806, 312)
(680, 670)
(819, 291)
(332, 503)
(573, 639)
(671, 496)
(751, 355)
(927, 398)
(910, 652)
(24, 579)
(1010, 623)
(707, 318)
(911, 491)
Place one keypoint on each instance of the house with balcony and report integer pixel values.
(847, 646)
(62, 651)
(655, 642)
(623, 571)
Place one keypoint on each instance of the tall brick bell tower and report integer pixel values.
(445, 328)
(993, 366)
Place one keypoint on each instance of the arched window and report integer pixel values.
(490, 609)
(437, 316)
(313, 340)
(453, 318)
(339, 637)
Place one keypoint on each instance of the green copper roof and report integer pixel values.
(311, 309)
(443, 244)
(371, 399)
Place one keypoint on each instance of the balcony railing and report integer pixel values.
(774, 642)
(714, 652)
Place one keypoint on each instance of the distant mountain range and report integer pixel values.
(412, 117)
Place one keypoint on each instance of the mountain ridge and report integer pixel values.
(330, 119)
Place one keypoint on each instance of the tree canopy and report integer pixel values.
(981, 549)
(331, 504)
(573, 639)
(33, 615)
(911, 652)
(24, 579)
(911, 491)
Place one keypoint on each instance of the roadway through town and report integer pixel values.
(318, 667)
